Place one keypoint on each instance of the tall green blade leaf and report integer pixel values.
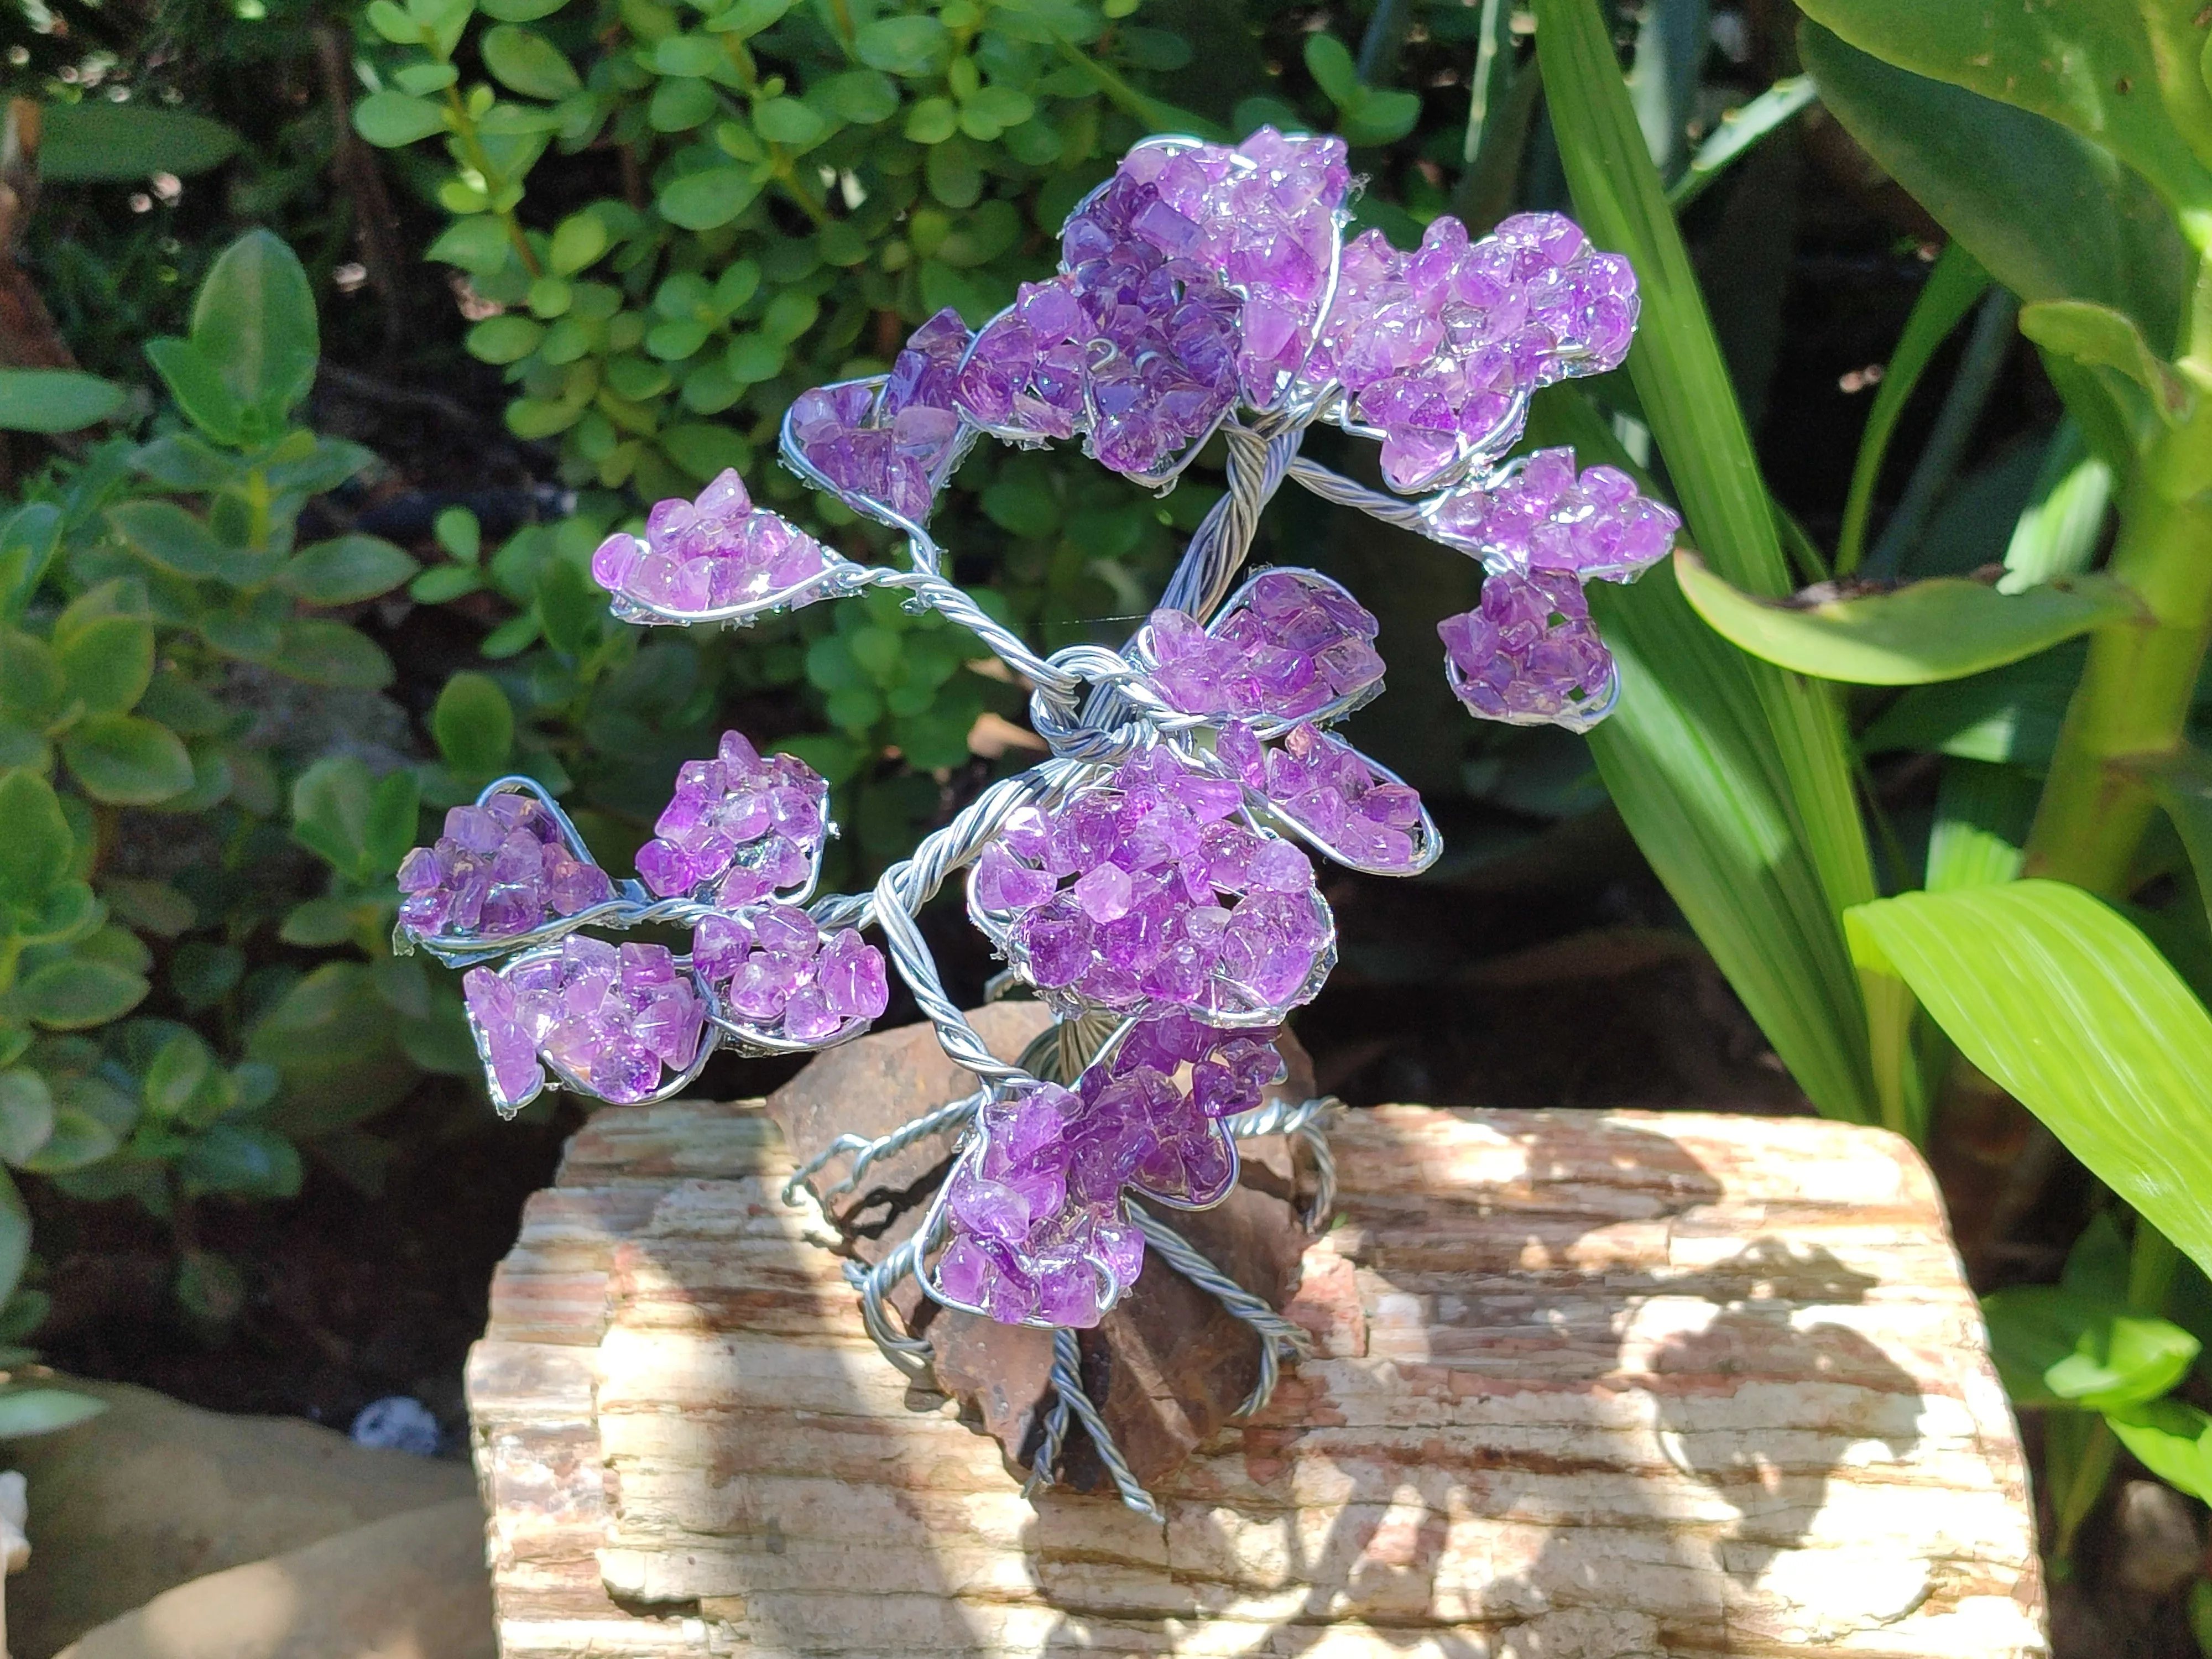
(1800, 757)
(2073, 1011)
(1688, 760)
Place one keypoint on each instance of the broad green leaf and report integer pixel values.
(98, 140)
(458, 533)
(320, 923)
(109, 663)
(1740, 128)
(2123, 74)
(198, 387)
(26, 1114)
(391, 120)
(324, 653)
(2073, 1012)
(346, 570)
(474, 724)
(167, 538)
(2182, 785)
(2050, 214)
(2172, 1440)
(525, 61)
(255, 321)
(75, 995)
(479, 245)
(332, 1038)
(577, 240)
(26, 1411)
(36, 852)
(1943, 629)
(505, 339)
(1955, 287)
(2101, 338)
(708, 200)
(29, 539)
(125, 760)
(55, 399)
(1801, 755)
(788, 122)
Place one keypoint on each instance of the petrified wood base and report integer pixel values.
(1588, 1386)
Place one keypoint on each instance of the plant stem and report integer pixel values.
(472, 149)
(2132, 706)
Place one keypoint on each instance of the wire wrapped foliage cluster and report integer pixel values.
(1153, 880)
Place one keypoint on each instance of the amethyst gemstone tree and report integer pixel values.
(1152, 881)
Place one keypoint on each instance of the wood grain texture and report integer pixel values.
(1587, 1385)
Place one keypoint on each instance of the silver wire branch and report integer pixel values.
(953, 1114)
(1257, 461)
(1068, 1384)
(1277, 1336)
(913, 1355)
(1308, 1121)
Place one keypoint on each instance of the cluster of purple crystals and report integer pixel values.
(1038, 1230)
(753, 824)
(783, 977)
(1133, 341)
(609, 1018)
(1171, 900)
(1295, 645)
(1333, 793)
(1529, 654)
(704, 554)
(499, 869)
(1545, 517)
(1264, 221)
(888, 450)
(1440, 348)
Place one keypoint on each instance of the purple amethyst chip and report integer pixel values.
(1529, 655)
(610, 1020)
(746, 824)
(501, 868)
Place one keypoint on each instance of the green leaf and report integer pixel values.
(36, 853)
(388, 831)
(2121, 73)
(2058, 531)
(31, 684)
(346, 570)
(1686, 759)
(2010, 714)
(478, 244)
(26, 1114)
(1941, 629)
(458, 533)
(55, 399)
(167, 538)
(1329, 60)
(26, 1412)
(474, 724)
(2140, 1360)
(179, 1070)
(127, 760)
(108, 663)
(330, 813)
(2101, 338)
(75, 993)
(1955, 287)
(15, 1234)
(902, 46)
(202, 972)
(505, 339)
(787, 121)
(2071, 1011)
(1795, 746)
(525, 61)
(320, 923)
(2170, 1439)
(29, 539)
(98, 140)
(198, 389)
(242, 1159)
(577, 240)
(2050, 214)
(1740, 128)
(520, 11)
(708, 200)
(321, 652)
(1982, 814)
(255, 321)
